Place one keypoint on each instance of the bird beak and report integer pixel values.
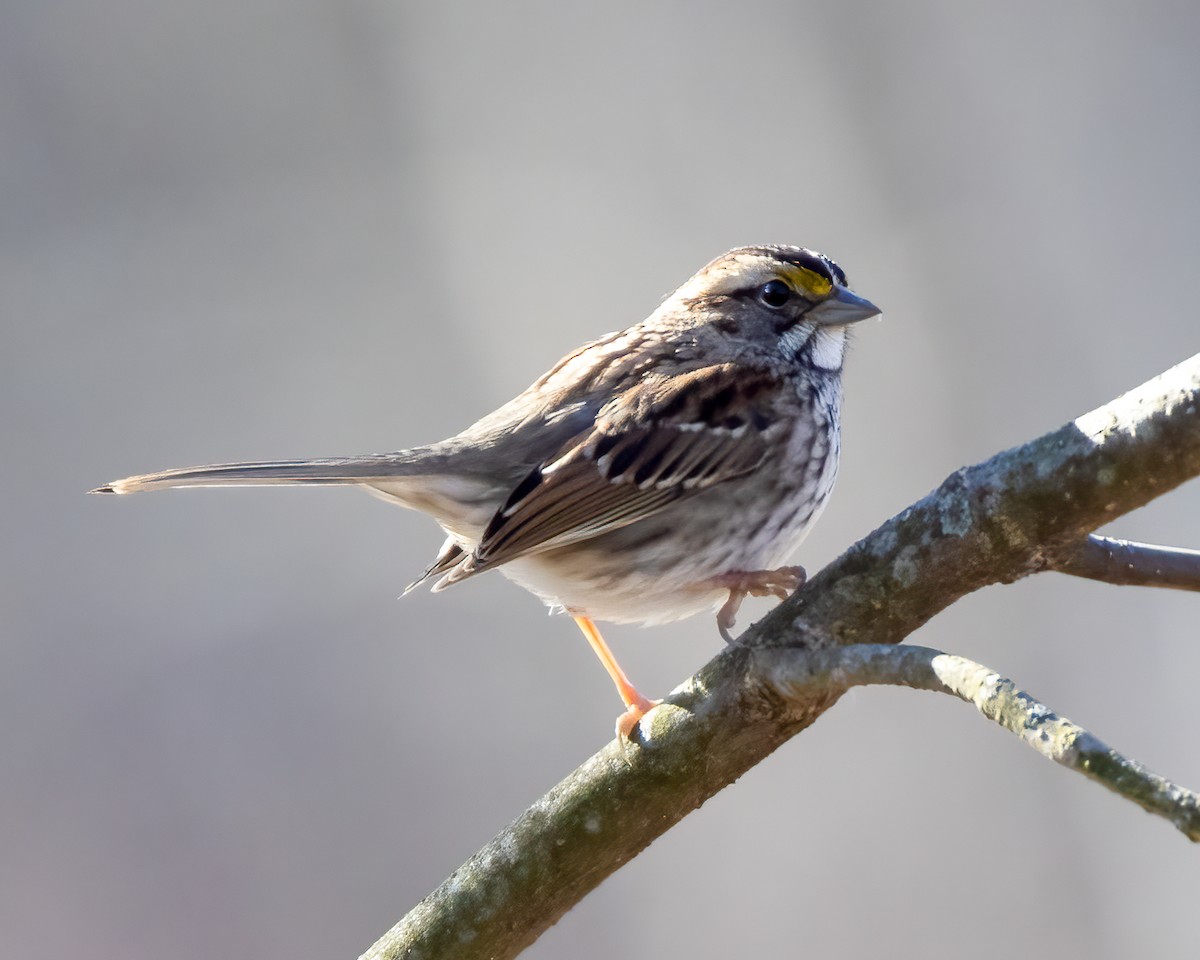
(842, 308)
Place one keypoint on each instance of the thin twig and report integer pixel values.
(1128, 563)
(998, 699)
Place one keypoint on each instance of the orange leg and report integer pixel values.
(637, 704)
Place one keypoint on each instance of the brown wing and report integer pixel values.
(664, 439)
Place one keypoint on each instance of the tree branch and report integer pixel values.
(995, 522)
(998, 699)
(1128, 563)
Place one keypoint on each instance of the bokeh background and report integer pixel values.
(236, 230)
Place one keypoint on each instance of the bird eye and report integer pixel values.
(774, 293)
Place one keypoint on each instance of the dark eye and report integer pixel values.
(774, 293)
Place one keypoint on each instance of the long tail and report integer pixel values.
(360, 470)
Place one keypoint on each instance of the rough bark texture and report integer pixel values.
(995, 522)
(794, 671)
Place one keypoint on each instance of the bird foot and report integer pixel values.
(780, 583)
(631, 717)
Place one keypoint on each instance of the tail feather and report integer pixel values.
(361, 470)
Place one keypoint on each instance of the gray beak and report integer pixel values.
(842, 308)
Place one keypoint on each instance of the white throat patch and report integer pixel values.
(828, 345)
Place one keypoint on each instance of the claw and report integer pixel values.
(627, 721)
(781, 583)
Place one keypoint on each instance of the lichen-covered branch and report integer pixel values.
(1128, 563)
(998, 699)
(995, 522)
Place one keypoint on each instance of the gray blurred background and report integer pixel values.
(274, 229)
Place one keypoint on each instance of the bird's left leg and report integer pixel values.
(637, 704)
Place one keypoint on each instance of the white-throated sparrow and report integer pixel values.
(651, 474)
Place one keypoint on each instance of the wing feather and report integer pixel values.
(664, 439)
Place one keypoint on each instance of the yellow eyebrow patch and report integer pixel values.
(807, 282)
